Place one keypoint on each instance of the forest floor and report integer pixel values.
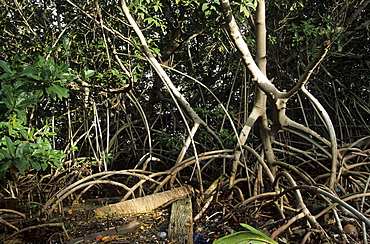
(78, 224)
(24, 221)
(150, 227)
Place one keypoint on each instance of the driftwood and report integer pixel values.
(120, 230)
(181, 222)
(147, 203)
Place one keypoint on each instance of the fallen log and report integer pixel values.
(146, 203)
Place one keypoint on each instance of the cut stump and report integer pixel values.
(181, 222)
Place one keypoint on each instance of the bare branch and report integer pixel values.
(310, 68)
(247, 59)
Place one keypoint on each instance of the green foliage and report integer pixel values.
(211, 8)
(226, 134)
(296, 5)
(251, 236)
(228, 137)
(144, 11)
(272, 39)
(303, 32)
(246, 5)
(294, 27)
(23, 87)
(170, 143)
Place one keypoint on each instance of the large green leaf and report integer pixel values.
(21, 165)
(241, 237)
(89, 73)
(262, 236)
(5, 66)
(36, 165)
(25, 100)
(252, 236)
(10, 145)
(31, 72)
(5, 165)
(9, 100)
(60, 91)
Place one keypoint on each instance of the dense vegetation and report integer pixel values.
(167, 90)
